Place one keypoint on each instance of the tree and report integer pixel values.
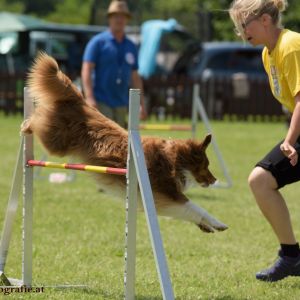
(291, 18)
(17, 7)
(98, 12)
(41, 7)
(71, 11)
(189, 13)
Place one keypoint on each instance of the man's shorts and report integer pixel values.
(280, 166)
(117, 114)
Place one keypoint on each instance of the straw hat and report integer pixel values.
(118, 7)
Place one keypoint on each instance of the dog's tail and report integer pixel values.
(47, 84)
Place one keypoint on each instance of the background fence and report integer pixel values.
(232, 98)
(235, 97)
(11, 93)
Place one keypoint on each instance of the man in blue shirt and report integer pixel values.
(110, 66)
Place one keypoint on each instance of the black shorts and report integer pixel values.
(280, 166)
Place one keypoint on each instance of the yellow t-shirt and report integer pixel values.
(283, 68)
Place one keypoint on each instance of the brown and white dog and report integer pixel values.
(66, 125)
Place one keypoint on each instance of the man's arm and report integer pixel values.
(137, 83)
(287, 147)
(87, 83)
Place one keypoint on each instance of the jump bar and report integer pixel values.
(80, 167)
(165, 127)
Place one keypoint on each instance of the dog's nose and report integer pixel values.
(213, 180)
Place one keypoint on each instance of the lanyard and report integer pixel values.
(120, 61)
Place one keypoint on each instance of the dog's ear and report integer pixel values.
(206, 142)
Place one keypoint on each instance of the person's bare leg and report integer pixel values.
(272, 204)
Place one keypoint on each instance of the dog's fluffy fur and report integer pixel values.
(66, 125)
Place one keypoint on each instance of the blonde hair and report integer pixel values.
(240, 10)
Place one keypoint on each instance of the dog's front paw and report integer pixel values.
(217, 225)
(221, 227)
(25, 127)
(212, 224)
(205, 228)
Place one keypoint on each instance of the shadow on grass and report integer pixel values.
(97, 293)
(217, 298)
(147, 298)
(295, 285)
(226, 298)
(101, 294)
(204, 197)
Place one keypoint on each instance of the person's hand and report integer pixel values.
(91, 101)
(290, 152)
(143, 113)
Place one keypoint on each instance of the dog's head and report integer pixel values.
(193, 163)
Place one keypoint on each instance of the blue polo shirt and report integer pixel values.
(114, 62)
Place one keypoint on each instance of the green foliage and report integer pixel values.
(291, 17)
(175, 5)
(71, 11)
(186, 12)
(41, 7)
(17, 7)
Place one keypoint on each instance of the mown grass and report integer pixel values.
(79, 232)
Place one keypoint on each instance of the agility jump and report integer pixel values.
(165, 127)
(78, 167)
(136, 173)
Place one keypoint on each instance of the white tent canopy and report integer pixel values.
(16, 22)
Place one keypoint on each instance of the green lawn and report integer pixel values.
(79, 232)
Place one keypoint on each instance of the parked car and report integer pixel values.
(223, 58)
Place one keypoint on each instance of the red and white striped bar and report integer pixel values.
(80, 167)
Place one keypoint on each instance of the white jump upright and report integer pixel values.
(136, 175)
(27, 197)
(25, 153)
(137, 168)
(198, 108)
(10, 214)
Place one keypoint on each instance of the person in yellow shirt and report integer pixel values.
(259, 23)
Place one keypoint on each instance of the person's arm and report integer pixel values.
(287, 147)
(87, 83)
(137, 83)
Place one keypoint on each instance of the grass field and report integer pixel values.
(79, 232)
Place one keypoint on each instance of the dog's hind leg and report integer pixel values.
(190, 212)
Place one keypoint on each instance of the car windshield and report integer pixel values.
(237, 61)
(8, 42)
